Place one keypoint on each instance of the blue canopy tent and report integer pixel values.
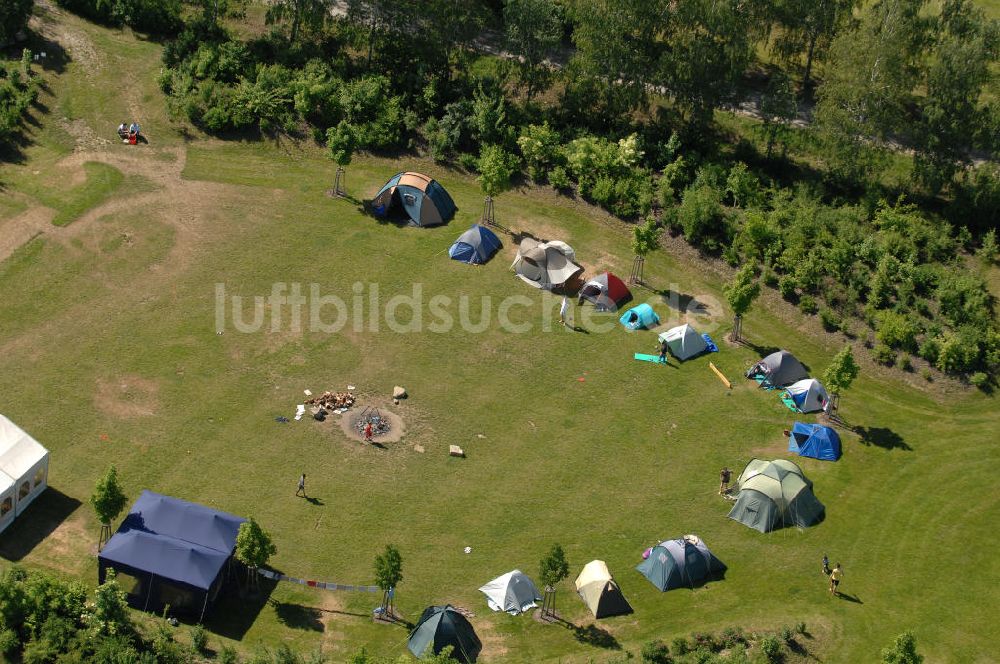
(421, 198)
(475, 246)
(814, 440)
(640, 317)
(170, 551)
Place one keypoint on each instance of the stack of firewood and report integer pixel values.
(333, 400)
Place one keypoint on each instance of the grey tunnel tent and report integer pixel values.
(684, 561)
(779, 369)
(775, 494)
(171, 552)
(442, 626)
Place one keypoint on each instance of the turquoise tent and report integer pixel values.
(640, 317)
(420, 198)
(815, 441)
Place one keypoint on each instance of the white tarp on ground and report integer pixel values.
(512, 592)
(24, 461)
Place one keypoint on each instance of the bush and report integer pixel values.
(701, 217)
(807, 305)
(770, 647)
(680, 646)
(787, 634)
(905, 363)
(829, 320)
(468, 161)
(18, 89)
(559, 178)
(787, 286)
(884, 355)
(800, 628)
(9, 642)
(930, 349)
(655, 652)
(927, 374)
(540, 147)
(199, 639)
(896, 331)
(228, 655)
(980, 380)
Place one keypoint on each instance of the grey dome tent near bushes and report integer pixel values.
(778, 369)
(443, 626)
(775, 494)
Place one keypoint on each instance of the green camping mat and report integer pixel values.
(788, 401)
(760, 382)
(648, 358)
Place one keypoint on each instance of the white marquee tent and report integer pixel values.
(24, 470)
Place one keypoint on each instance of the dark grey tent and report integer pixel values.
(779, 369)
(775, 494)
(684, 561)
(442, 626)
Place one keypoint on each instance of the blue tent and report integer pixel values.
(475, 246)
(639, 317)
(421, 198)
(814, 440)
(170, 551)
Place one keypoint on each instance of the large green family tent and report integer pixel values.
(775, 494)
(475, 246)
(606, 291)
(684, 561)
(815, 441)
(545, 265)
(418, 197)
(512, 592)
(600, 592)
(809, 395)
(442, 626)
(684, 342)
(640, 317)
(778, 369)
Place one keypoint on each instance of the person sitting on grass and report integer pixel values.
(123, 131)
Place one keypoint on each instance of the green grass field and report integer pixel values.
(109, 354)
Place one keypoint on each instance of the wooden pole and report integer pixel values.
(719, 374)
(340, 183)
(488, 216)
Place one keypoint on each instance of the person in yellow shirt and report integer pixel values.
(835, 577)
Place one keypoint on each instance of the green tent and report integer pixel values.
(775, 494)
(442, 626)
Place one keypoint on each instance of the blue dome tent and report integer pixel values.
(475, 246)
(814, 440)
(421, 198)
(640, 317)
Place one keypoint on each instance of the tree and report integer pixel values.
(740, 293)
(311, 14)
(963, 54)
(253, 548)
(552, 569)
(109, 615)
(864, 97)
(777, 109)
(839, 376)
(341, 141)
(807, 27)
(496, 166)
(645, 238)
(532, 30)
(14, 15)
(108, 501)
(902, 651)
(388, 574)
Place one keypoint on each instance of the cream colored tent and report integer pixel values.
(600, 592)
(24, 469)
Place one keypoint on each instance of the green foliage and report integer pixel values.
(341, 141)
(199, 639)
(109, 614)
(742, 290)
(902, 651)
(742, 186)
(253, 545)
(829, 319)
(701, 217)
(883, 354)
(645, 237)
(532, 30)
(559, 178)
(770, 648)
(807, 305)
(388, 568)
(540, 148)
(496, 166)
(655, 652)
(553, 568)
(896, 331)
(980, 380)
(14, 16)
(842, 371)
(18, 90)
(108, 498)
(298, 14)
(161, 17)
(988, 248)
(228, 655)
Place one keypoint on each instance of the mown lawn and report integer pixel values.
(109, 354)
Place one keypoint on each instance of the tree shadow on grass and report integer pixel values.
(46, 513)
(595, 636)
(881, 437)
(683, 302)
(236, 610)
(297, 616)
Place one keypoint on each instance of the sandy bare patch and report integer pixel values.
(22, 228)
(127, 396)
(351, 417)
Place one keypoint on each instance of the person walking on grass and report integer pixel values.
(301, 491)
(563, 310)
(724, 476)
(835, 575)
(826, 565)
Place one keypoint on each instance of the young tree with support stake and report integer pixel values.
(253, 548)
(496, 166)
(551, 571)
(838, 377)
(645, 238)
(740, 293)
(341, 141)
(388, 574)
(108, 500)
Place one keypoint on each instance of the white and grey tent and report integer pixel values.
(512, 592)
(24, 470)
(809, 395)
(545, 265)
(779, 369)
(684, 342)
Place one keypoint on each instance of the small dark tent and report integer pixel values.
(421, 198)
(684, 561)
(475, 246)
(778, 369)
(170, 551)
(815, 441)
(606, 291)
(442, 626)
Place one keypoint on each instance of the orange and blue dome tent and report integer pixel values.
(420, 198)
